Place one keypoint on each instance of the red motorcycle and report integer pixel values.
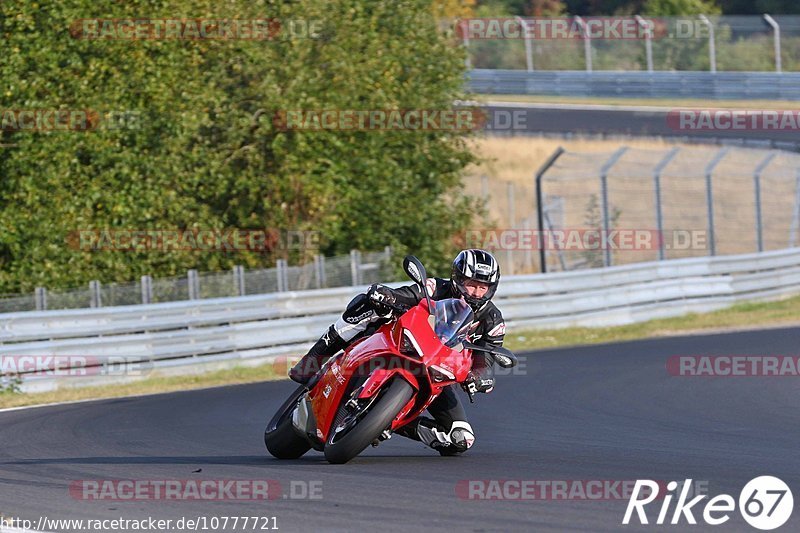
(381, 382)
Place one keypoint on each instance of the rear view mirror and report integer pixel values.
(502, 356)
(415, 270)
(505, 358)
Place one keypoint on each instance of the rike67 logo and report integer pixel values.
(765, 503)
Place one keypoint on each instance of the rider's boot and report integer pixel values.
(309, 365)
(426, 430)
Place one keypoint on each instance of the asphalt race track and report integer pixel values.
(609, 412)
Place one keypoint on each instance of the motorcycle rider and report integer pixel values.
(474, 277)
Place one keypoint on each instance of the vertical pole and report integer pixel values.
(191, 280)
(776, 38)
(526, 226)
(710, 198)
(796, 211)
(40, 297)
(587, 43)
(712, 50)
(485, 187)
(511, 224)
(465, 36)
(280, 266)
(540, 205)
(147, 289)
(94, 294)
(523, 28)
(604, 192)
(323, 279)
(355, 267)
(657, 185)
(647, 26)
(238, 277)
(318, 272)
(757, 188)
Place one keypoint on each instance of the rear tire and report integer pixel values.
(280, 437)
(378, 418)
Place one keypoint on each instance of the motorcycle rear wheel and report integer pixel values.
(280, 437)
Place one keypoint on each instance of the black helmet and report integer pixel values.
(478, 265)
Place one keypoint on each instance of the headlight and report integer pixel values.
(409, 345)
(439, 374)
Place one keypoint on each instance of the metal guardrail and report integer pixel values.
(356, 268)
(258, 328)
(637, 84)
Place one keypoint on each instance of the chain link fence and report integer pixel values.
(357, 268)
(631, 204)
(716, 42)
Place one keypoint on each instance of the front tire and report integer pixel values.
(341, 448)
(280, 437)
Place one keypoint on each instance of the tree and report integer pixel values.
(676, 8)
(205, 154)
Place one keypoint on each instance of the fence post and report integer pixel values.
(526, 226)
(540, 204)
(147, 289)
(776, 40)
(40, 297)
(511, 224)
(280, 272)
(193, 284)
(648, 40)
(710, 198)
(604, 193)
(657, 185)
(355, 267)
(712, 50)
(757, 187)
(796, 210)
(319, 271)
(587, 43)
(523, 27)
(465, 37)
(238, 280)
(94, 294)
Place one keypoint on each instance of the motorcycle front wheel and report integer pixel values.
(355, 428)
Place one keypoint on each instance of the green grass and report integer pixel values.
(659, 102)
(740, 316)
(149, 385)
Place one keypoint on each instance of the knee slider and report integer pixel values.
(462, 436)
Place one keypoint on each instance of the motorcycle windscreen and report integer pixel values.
(453, 321)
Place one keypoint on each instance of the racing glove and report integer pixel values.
(476, 382)
(382, 299)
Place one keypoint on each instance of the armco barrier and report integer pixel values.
(181, 337)
(638, 84)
